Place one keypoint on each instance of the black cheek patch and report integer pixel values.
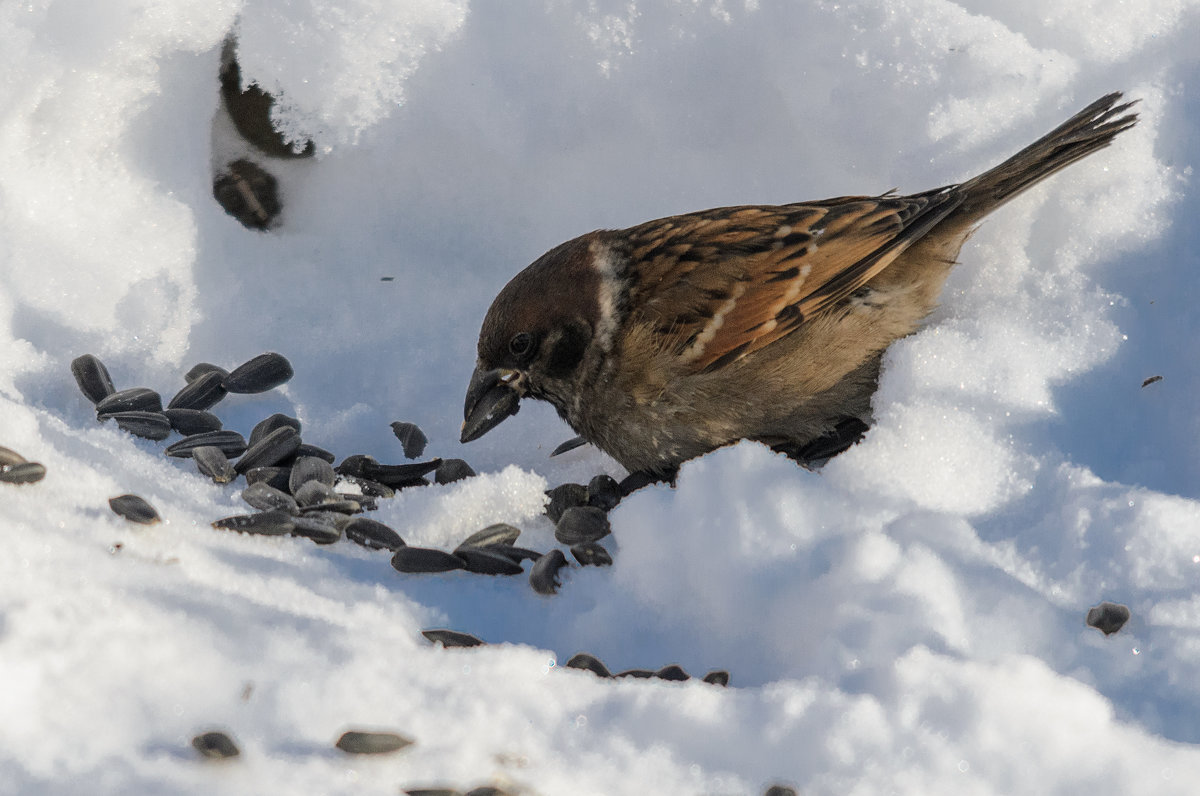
(567, 351)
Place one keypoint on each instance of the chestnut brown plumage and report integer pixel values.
(664, 341)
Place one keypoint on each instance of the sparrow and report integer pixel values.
(667, 340)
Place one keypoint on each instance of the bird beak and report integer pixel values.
(492, 396)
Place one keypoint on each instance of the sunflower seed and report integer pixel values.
(637, 674)
(262, 373)
(215, 745)
(517, 554)
(581, 524)
(211, 461)
(339, 506)
(451, 470)
(134, 509)
(368, 487)
(412, 439)
(9, 457)
(487, 561)
(591, 554)
(200, 368)
(373, 534)
(202, 392)
(604, 492)
(452, 638)
(270, 450)
(355, 466)
(717, 677)
(1108, 618)
(563, 497)
(319, 527)
(779, 790)
(192, 421)
(148, 425)
(310, 468)
(590, 663)
(433, 792)
(135, 399)
(397, 475)
(277, 420)
(266, 523)
(487, 790)
(92, 378)
(569, 445)
(267, 498)
(230, 442)
(313, 493)
(364, 502)
(307, 449)
(499, 533)
(277, 477)
(425, 559)
(361, 742)
(673, 672)
(22, 473)
(544, 575)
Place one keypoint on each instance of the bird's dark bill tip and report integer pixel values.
(490, 401)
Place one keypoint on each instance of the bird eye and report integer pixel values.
(521, 346)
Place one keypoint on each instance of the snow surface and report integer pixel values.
(909, 620)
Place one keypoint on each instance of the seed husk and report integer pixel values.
(355, 466)
(590, 663)
(425, 559)
(318, 526)
(134, 509)
(22, 473)
(673, 672)
(563, 497)
(310, 468)
(277, 477)
(264, 523)
(212, 461)
(215, 745)
(200, 368)
(9, 457)
(717, 677)
(497, 533)
(637, 674)
(581, 524)
(368, 487)
(340, 506)
(362, 742)
(397, 475)
(452, 638)
(604, 492)
(192, 421)
(148, 425)
(317, 452)
(544, 575)
(451, 470)
(412, 439)
(314, 493)
(267, 498)
(92, 378)
(1108, 617)
(374, 534)
(135, 399)
(270, 450)
(517, 554)
(262, 373)
(202, 392)
(591, 554)
(230, 442)
(569, 445)
(487, 561)
(277, 420)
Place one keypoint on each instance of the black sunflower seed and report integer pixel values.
(544, 575)
(267, 498)
(262, 373)
(148, 425)
(590, 663)
(517, 554)
(373, 534)
(412, 439)
(368, 487)
(452, 638)
(277, 420)
(9, 457)
(310, 468)
(266, 523)
(717, 677)
(192, 421)
(230, 442)
(591, 554)
(451, 470)
(202, 392)
(355, 466)
(581, 524)
(92, 378)
(314, 493)
(315, 451)
(487, 561)
(425, 559)
(604, 492)
(212, 461)
(22, 473)
(135, 399)
(563, 497)
(498, 533)
(362, 742)
(569, 445)
(397, 475)
(200, 368)
(339, 506)
(637, 674)
(433, 792)
(270, 450)
(1108, 618)
(780, 790)
(215, 745)
(134, 509)
(321, 527)
(277, 477)
(673, 672)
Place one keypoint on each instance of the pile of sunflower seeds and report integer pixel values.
(296, 489)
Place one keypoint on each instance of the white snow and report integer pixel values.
(909, 620)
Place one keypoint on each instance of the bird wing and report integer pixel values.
(720, 284)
